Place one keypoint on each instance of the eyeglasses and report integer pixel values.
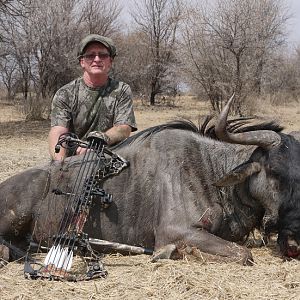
(91, 57)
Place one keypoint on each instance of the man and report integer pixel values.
(94, 102)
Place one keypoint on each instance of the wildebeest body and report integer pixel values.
(167, 195)
(155, 203)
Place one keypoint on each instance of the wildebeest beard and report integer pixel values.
(289, 213)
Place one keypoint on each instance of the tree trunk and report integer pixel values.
(152, 98)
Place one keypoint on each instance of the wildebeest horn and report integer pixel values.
(263, 138)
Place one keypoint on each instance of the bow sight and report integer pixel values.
(98, 163)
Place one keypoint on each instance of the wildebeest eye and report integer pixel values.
(275, 174)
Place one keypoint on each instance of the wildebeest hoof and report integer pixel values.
(165, 252)
(248, 259)
(3, 263)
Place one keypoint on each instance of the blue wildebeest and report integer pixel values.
(183, 192)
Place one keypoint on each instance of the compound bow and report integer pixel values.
(98, 163)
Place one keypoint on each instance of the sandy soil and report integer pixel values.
(23, 144)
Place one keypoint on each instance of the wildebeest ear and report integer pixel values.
(239, 174)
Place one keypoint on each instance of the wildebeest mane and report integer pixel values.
(141, 136)
(205, 128)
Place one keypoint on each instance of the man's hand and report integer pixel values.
(100, 136)
(80, 150)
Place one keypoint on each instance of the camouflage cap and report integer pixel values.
(92, 38)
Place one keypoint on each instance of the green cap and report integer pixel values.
(96, 38)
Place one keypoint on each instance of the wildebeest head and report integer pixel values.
(289, 212)
(273, 172)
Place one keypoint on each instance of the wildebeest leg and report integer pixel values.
(202, 241)
(256, 239)
(18, 197)
(9, 252)
(4, 255)
(165, 252)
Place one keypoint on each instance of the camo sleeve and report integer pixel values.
(124, 114)
(60, 110)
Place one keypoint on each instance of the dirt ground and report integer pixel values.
(23, 144)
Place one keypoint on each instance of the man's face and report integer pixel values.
(96, 60)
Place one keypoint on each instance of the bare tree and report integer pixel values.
(54, 32)
(9, 75)
(100, 16)
(10, 9)
(44, 46)
(282, 78)
(228, 46)
(158, 22)
(41, 43)
(132, 61)
(17, 49)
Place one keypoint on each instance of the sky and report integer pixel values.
(294, 22)
(293, 27)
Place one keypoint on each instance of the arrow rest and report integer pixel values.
(98, 163)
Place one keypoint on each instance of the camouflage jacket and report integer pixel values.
(82, 109)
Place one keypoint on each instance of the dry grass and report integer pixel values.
(135, 277)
